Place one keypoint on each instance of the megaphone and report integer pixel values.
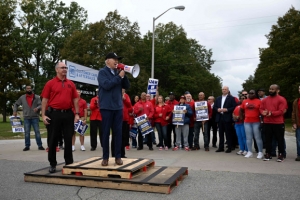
(134, 70)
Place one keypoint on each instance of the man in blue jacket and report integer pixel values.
(224, 107)
(111, 105)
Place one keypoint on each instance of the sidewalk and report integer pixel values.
(211, 175)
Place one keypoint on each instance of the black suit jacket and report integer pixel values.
(229, 103)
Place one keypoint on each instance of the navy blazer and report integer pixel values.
(110, 89)
(229, 103)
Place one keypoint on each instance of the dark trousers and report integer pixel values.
(171, 128)
(224, 127)
(140, 140)
(125, 139)
(95, 128)
(276, 131)
(111, 120)
(61, 122)
(214, 125)
(190, 137)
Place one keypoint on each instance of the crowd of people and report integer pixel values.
(239, 122)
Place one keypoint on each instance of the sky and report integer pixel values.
(233, 29)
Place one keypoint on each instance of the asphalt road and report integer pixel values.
(211, 175)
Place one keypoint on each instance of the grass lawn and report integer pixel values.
(6, 131)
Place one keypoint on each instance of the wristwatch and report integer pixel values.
(77, 113)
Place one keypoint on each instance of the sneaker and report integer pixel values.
(180, 146)
(260, 155)
(57, 149)
(186, 148)
(166, 148)
(61, 147)
(41, 148)
(249, 155)
(240, 152)
(280, 158)
(82, 148)
(127, 148)
(267, 157)
(175, 149)
(160, 148)
(134, 147)
(244, 153)
(73, 148)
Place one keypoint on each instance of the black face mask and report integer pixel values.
(28, 92)
(272, 94)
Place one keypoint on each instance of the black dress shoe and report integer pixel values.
(150, 148)
(228, 151)
(215, 146)
(52, 169)
(220, 150)
(41, 148)
(139, 148)
(26, 149)
(123, 157)
(93, 149)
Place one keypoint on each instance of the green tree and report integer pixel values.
(280, 62)
(12, 77)
(115, 33)
(44, 28)
(181, 63)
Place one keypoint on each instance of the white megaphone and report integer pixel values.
(134, 70)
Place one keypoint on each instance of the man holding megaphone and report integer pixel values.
(111, 104)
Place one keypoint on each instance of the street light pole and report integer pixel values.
(181, 8)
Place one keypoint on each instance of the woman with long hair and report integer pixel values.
(162, 113)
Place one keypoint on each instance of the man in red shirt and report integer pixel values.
(83, 115)
(171, 102)
(59, 95)
(140, 108)
(272, 108)
(95, 122)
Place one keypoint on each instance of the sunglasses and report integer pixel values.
(63, 67)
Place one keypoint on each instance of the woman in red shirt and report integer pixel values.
(250, 107)
(239, 128)
(162, 114)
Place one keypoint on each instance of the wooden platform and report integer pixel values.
(155, 179)
(93, 167)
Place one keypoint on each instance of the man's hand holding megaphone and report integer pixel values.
(122, 73)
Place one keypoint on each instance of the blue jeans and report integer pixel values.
(298, 141)
(240, 132)
(162, 134)
(197, 127)
(252, 129)
(27, 126)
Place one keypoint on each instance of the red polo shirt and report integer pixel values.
(82, 105)
(95, 112)
(60, 94)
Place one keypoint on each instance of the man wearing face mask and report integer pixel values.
(31, 104)
(273, 108)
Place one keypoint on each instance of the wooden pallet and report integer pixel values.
(93, 167)
(156, 179)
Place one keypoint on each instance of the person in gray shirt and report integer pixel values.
(31, 104)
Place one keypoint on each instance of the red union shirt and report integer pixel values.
(60, 94)
(251, 108)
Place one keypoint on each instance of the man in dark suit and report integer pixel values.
(224, 107)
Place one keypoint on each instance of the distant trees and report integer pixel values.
(46, 31)
(280, 62)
